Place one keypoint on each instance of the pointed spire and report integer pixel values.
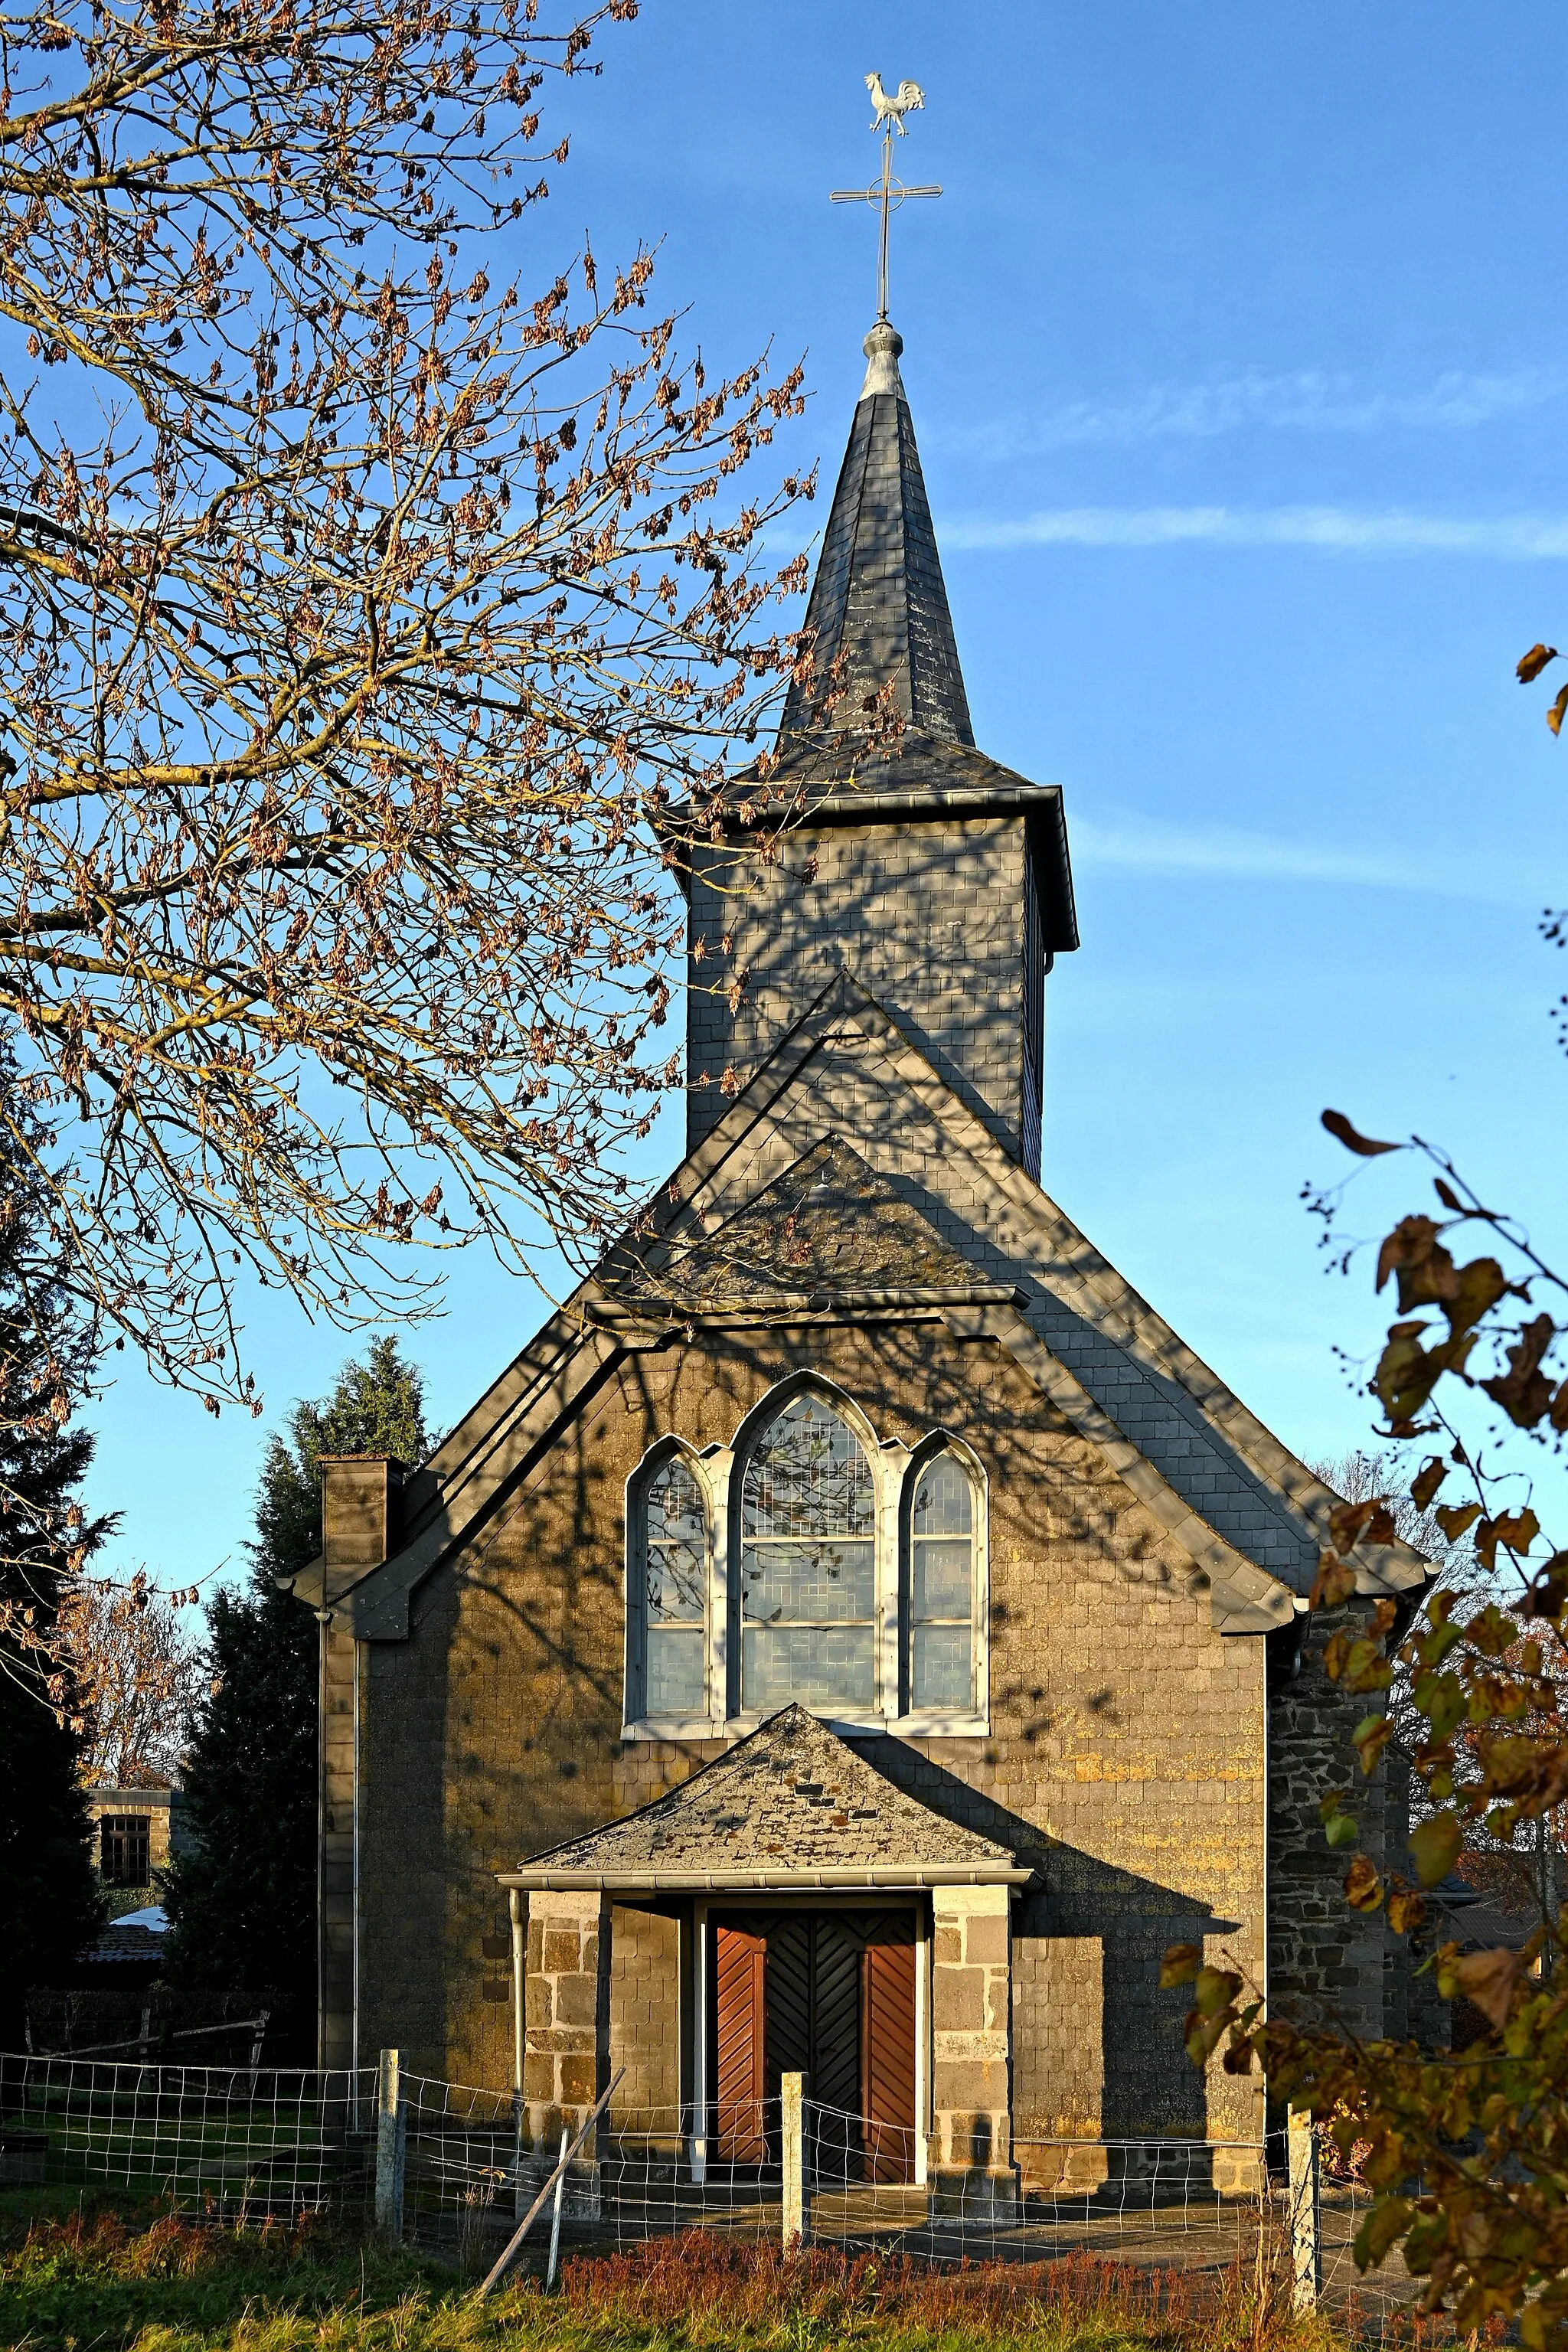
(878, 600)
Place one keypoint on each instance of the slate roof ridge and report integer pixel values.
(878, 620)
(788, 1796)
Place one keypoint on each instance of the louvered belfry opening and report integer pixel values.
(829, 1994)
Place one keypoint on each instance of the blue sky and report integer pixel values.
(1237, 362)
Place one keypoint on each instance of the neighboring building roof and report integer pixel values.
(790, 1804)
(129, 1942)
(879, 618)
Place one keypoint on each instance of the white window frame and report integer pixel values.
(638, 1722)
(718, 1470)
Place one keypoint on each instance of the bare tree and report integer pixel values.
(361, 610)
(138, 1675)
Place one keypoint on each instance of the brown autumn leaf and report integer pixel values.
(1548, 1589)
(1407, 1911)
(1414, 1251)
(1516, 1531)
(1456, 1518)
(1346, 1522)
(1180, 1965)
(1339, 1128)
(1427, 1480)
(1334, 1582)
(1476, 1289)
(1487, 1979)
(1555, 715)
(1533, 663)
(1371, 1737)
(1524, 1392)
(1364, 1887)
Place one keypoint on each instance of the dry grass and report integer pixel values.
(100, 2282)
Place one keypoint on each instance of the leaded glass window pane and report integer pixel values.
(675, 1592)
(941, 1588)
(809, 1599)
(675, 1669)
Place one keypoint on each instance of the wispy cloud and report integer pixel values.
(1143, 844)
(1334, 530)
(1306, 401)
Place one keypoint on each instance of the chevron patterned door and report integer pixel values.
(888, 2049)
(740, 2043)
(830, 1994)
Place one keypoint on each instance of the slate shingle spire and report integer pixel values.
(879, 606)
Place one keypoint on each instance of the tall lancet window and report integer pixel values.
(941, 1588)
(675, 1590)
(808, 1570)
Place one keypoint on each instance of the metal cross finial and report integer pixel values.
(889, 193)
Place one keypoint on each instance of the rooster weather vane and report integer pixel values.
(890, 110)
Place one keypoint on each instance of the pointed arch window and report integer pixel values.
(675, 1592)
(942, 1587)
(808, 1566)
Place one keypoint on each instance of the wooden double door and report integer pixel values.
(829, 1994)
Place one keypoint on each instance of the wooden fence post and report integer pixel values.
(1306, 2235)
(391, 2144)
(797, 2202)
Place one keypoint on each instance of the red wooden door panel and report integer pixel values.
(888, 2049)
(739, 2044)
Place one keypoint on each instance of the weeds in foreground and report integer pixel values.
(102, 2283)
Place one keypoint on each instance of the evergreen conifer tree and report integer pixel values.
(244, 1906)
(50, 1903)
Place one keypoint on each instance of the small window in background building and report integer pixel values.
(126, 1850)
(941, 1588)
(675, 1594)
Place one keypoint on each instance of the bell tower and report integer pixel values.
(939, 877)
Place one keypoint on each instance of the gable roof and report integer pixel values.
(1250, 1515)
(789, 1804)
(829, 1225)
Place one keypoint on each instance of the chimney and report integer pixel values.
(362, 1495)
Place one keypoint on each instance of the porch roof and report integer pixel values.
(791, 1805)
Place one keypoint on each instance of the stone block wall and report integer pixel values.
(1059, 2037)
(568, 2012)
(645, 2022)
(931, 917)
(970, 2158)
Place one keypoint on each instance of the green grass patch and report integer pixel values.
(106, 2280)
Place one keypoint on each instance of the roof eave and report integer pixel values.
(913, 1876)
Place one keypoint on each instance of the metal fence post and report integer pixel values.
(796, 2206)
(391, 2144)
(1306, 2236)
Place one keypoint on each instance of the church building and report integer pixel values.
(856, 1636)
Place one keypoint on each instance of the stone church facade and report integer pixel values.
(856, 1635)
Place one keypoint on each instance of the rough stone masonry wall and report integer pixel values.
(929, 919)
(1325, 1961)
(1125, 1755)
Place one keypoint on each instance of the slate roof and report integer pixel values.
(879, 602)
(791, 1803)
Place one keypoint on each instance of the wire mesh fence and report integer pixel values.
(450, 2168)
(221, 2140)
